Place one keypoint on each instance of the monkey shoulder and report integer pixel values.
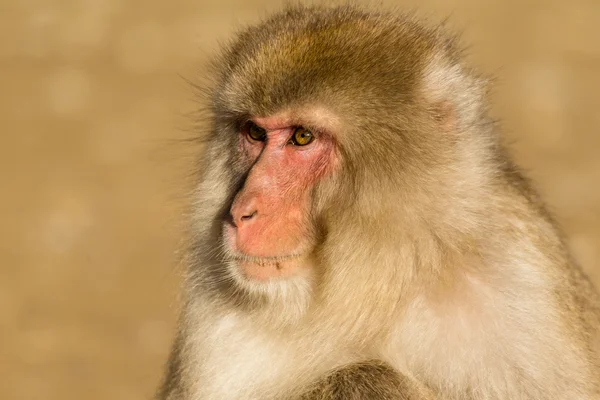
(483, 333)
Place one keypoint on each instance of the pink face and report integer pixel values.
(269, 232)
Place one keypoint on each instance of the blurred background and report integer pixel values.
(94, 176)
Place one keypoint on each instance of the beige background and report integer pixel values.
(93, 171)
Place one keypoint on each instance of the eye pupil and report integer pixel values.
(302, 137)
(256, 133)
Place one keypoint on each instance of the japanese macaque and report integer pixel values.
(359, 231)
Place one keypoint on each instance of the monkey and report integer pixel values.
(360, 230)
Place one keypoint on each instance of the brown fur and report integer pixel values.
(370, 379)
(436, 258)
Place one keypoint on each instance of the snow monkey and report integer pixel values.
(360, 232)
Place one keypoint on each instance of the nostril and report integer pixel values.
(243, 211)
(248, 216)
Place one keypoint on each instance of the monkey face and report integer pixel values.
(268, 233)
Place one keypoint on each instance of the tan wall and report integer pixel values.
(92, 182)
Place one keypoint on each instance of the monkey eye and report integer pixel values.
(256, 133)
(302, 137)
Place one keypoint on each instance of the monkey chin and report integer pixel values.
(282, 290)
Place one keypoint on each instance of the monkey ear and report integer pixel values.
(444, 115)
(453, 94)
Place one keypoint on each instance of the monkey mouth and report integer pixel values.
(265, 268)
(263, 260)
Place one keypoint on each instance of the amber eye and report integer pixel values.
(256, 133)
(302, 137)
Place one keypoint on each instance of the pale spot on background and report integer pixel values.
(543, 86)
(94, 173)
(69, 91)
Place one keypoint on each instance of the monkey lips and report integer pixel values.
(266, 269)
(261, 268)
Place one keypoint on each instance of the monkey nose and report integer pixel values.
(244, 210)
(248, 216)
(242, 217)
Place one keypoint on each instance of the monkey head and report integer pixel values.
(330, 135)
